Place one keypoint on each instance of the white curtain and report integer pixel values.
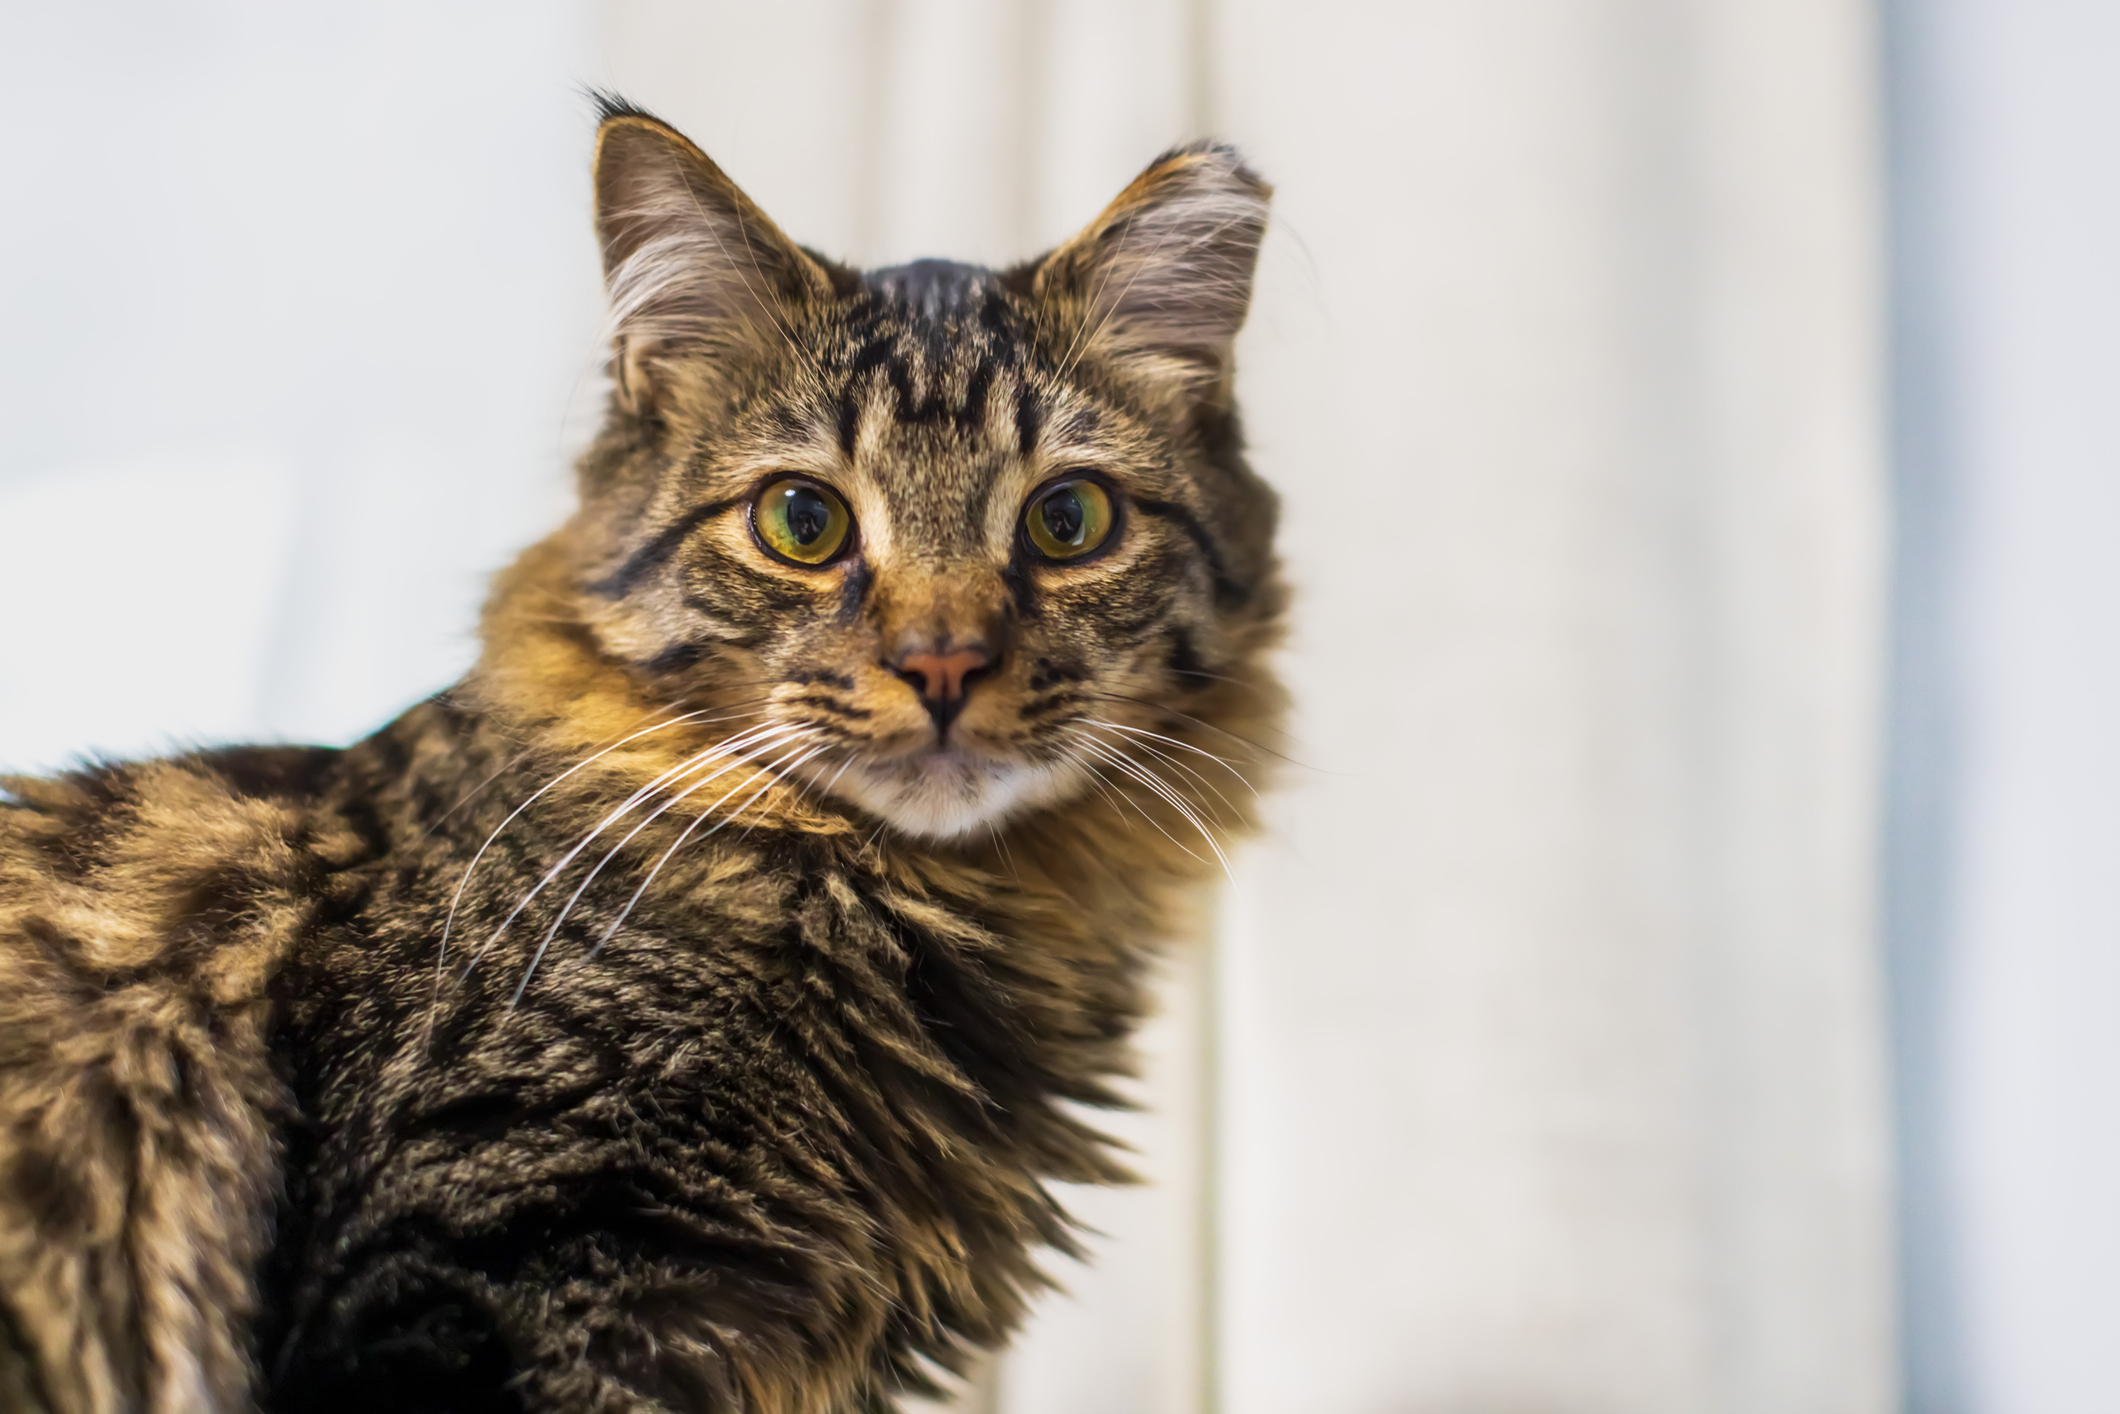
(1536, 1063)
(1553, 1020)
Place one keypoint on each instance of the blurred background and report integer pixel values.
(1684, 970)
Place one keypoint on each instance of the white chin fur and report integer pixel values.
(943, 794)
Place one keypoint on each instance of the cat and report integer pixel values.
(689, 1009)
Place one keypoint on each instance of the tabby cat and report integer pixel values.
(690, 1008)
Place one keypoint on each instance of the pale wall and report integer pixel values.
(1547, 1014)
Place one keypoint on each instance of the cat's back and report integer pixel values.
(198, 867)
(145, 912)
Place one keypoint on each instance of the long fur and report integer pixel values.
(662, 1018)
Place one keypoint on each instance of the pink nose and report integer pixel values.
(941, 678)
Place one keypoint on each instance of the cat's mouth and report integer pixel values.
(944, 790)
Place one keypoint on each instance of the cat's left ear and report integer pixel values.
(692, 266)
(1159, 283)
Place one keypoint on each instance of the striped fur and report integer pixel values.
(679, 1013)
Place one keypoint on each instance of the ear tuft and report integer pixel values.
(1161, 281)
(691, 265)
(611, 105)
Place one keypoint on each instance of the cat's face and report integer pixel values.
(944, 541)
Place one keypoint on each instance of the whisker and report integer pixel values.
(690, 764)
(1001, 845)
(784, 776)
(779, 778)
(1251, 687)
(1147, 776)
(1153, 822)
(701, 818)
(1204, 726)
(442, 955)
(1224, 762)
(1191, 773)
(1168, 793)
(837, 774)
(503, 769)
(613, 853)
(1195, 776)
(1113, 797)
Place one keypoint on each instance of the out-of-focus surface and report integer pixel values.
(2005, 788)
(294, 299)
(1537, 1062)
(1552, 1024)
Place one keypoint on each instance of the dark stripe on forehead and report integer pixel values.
(994, 315)
(651, 555)
(975, 390)
(1229, 591)
(1029, 418)
(874, 352)
(939, 340)
(849, 419)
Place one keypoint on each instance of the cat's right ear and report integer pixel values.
(1159, 284)
(691, 265)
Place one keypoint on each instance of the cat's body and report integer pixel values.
(810, 885)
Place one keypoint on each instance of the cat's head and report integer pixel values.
(947, 540)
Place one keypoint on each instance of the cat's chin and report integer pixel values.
(942, 793)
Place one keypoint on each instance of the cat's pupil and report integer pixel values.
(1063, 516)
(808, 515)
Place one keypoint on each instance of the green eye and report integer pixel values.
(1069, 520)
(801, 521)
